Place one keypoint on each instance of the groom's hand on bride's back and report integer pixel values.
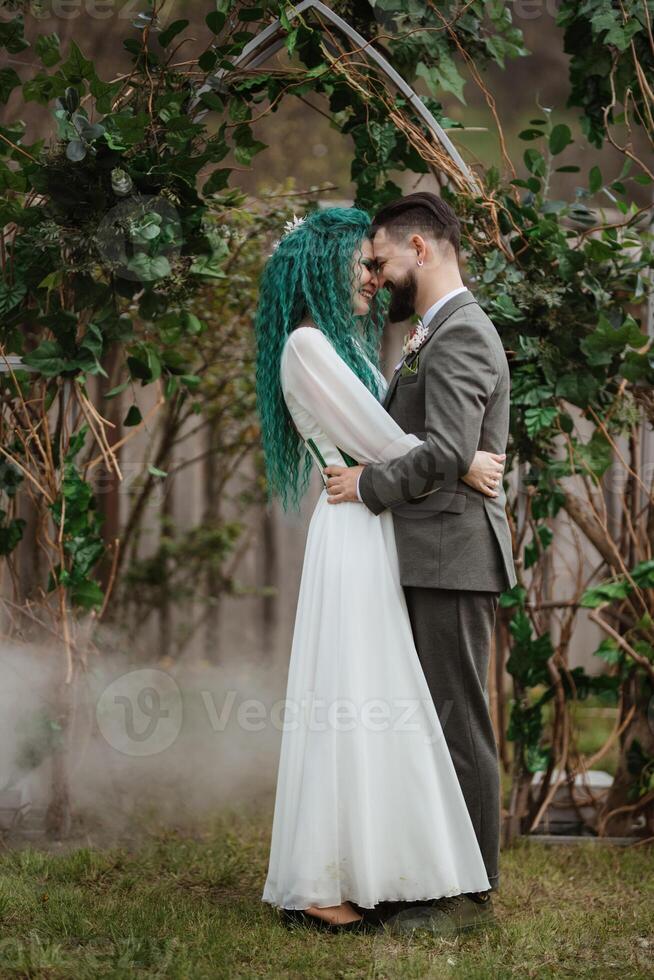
(342, 484)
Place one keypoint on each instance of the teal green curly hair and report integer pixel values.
(310, 274)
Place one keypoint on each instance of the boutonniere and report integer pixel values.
(410, 366)
(414, 340)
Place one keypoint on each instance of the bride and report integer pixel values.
(368, 806)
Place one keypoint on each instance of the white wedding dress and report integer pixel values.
(368, 805)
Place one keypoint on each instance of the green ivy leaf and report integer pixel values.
(513, 597)
(48, 358)
(9, 80)
(602, 595)
(443, 76)
(609, 652)
(601, 346)
(10, 534)
(12, 35)
(47, 48)
(217, 181)
(533, 552)
(87, 594)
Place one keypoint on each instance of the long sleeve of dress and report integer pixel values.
(348, 413)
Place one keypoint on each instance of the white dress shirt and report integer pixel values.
(429, 315)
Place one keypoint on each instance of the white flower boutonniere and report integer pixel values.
(414, 340)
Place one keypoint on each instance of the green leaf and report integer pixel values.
(560, 137)
(537, 419)
(602, 595)
(207, 62)
(579, 387)
(215, 21)
(210, 99)
(155, 471)
(11, 296)
(117, 390)
(12, 35)
(533, 552)
(530, 134)
(76, 151)
(124, 130)
(601, 346)
(87, 594)
(608, 651)
(239, 110)
(47, 48)
(643, 576)
(217, 181)
(534, 162)
(149, 268)
(513, 597)
(93, 340)
(291, 41)
(595, 456)
(244, 154)
(48, 358)
(133, 416)
(443, 76)
(504, 309)
(192, 324)
(9, 80)
(76, 68)
(171, 32)
(10, 534)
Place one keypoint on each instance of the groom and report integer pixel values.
(453, 542)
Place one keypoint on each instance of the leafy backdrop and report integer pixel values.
(121, 231)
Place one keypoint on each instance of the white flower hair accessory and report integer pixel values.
(289, 227)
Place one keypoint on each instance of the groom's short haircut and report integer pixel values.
(423, 214)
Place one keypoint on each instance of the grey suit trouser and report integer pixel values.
(452, 629)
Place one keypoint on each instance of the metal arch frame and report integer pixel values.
(272, 39)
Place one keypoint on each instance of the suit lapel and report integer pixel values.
(444, 313)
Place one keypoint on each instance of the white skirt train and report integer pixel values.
(368, 805)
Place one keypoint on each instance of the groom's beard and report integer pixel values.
(403, 299)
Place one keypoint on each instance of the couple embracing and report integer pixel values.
(387, 808)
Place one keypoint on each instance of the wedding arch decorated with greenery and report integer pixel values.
(125, 225)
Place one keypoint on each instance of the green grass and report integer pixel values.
(190, 907)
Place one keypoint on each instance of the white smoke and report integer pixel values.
(145, 745)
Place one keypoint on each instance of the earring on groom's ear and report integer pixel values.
(420, 263)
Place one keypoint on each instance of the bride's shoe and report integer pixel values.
(293, 917)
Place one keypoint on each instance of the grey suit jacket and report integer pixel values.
(448, 535)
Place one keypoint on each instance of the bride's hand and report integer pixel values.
(485, 472)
